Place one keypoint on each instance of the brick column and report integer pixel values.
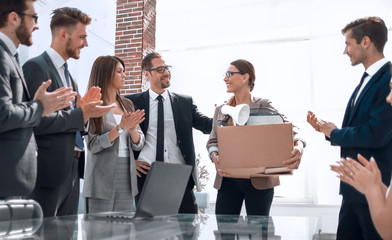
(135, 35)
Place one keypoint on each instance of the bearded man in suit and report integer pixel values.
(20, 110)
(179, 113)
(59, 135)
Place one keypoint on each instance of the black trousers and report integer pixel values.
(61, 200)
(188, 204)
(355, 222)
(234, 191)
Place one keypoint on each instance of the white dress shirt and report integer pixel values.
(9, 43)
(58, 62)
(172, 153)
(371, 71)
(123, 150)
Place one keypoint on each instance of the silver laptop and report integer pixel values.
(162, 192)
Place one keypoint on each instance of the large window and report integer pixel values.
(297, 50)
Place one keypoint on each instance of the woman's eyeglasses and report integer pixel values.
(229, 74)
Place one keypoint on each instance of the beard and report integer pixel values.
(23, 34)
(72, 52)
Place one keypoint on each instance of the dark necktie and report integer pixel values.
(160, 127)
(66, 74)
(78, 138)
(365, 74)
(17, 58)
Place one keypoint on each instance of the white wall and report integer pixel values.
(100, 37)
(296, 48)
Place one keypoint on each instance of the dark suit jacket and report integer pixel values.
(55, 134)
(367, 129)
(18, 116)
(186, 116)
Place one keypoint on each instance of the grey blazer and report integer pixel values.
(18, 116)
(101, 161)
(55, 134)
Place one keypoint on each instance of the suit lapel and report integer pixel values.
(145, 104)
(53, 69)
(18, 69)
(175, 108)
(368, 86)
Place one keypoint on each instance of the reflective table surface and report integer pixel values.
(201, 226)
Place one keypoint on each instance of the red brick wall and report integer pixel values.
(135, 35)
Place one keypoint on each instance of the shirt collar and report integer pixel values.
(56, 58)
(376, 66)
(154, 95)
(9, 43)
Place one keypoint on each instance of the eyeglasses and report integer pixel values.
(35, 16)
(161, 69)
(229, 74)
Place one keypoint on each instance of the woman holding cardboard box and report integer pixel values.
(257, 192)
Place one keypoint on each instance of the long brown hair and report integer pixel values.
(101, 75)
(243, 66)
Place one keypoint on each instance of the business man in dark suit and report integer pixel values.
(60, 145)
(19, 110)
(367, 123)
(179, 113)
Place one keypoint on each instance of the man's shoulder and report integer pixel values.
(40, 59)
(135, 96)
(180, 96)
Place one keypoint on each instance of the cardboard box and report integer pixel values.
(255, 150)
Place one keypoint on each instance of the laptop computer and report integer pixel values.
(162, 192)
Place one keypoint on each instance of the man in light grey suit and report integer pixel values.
(19, 110)
(60, 145)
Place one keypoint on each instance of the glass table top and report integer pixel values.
(182, 226)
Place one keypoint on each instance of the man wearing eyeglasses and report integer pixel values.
(168, 124)
(20, 111)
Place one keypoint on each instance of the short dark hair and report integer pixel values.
(68, 17)
(373, 27)
(146, 63)
(8, 6)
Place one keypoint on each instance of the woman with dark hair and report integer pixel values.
(257, 192)
(110, 177)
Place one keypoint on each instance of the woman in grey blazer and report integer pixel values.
(110, 178)
(257, 192)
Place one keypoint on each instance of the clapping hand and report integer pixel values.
(363, 175)
(92, 95)
(56, 100)
(130, 121)
(320, 125)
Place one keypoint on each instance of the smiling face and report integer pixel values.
(237, 82)
(158, 81)
(354, 51)
(76, 41)
(24, 32)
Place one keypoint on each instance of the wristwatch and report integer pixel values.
(213, 154)
(119, 129)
